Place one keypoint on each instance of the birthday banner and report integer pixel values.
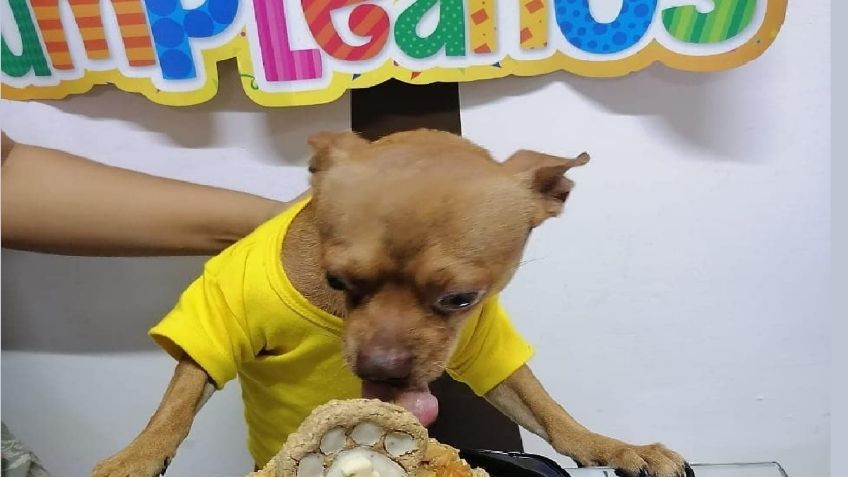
(299, 52)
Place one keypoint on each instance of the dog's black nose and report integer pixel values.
(384, 364)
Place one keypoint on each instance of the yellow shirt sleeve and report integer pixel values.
(489, 350)
(208, 323)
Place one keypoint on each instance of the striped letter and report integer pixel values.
(727, 19)
(88, 17)
(365, 20)
(279, 61)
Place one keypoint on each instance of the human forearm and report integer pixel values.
(59, 203)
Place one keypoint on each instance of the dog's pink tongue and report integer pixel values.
(420, 403)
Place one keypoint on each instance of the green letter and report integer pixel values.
(32, 56)
(726, 20)
(449, 33)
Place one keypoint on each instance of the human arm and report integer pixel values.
(56, 202)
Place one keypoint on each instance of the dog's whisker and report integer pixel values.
(525, 262)
(529, 260)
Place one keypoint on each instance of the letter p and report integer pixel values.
(173, 26)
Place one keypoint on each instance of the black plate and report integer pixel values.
(513, 464)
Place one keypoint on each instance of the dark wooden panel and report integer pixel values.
(396, 106)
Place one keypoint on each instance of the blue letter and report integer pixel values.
(172, 26)
(581, 30)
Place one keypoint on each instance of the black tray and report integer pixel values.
(513, 464)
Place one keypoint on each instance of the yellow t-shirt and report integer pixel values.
(242, 317)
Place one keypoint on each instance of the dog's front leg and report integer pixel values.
(149, 454)
(523, 398)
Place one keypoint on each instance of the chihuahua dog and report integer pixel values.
(404, 239)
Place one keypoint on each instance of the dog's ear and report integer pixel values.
(544, 174)
(330, 148)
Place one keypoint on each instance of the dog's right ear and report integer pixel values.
(544, 175)
(330, 148)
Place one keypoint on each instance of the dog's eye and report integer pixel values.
(457, 301)
(336, 283)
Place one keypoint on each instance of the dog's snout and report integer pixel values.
(384, 364)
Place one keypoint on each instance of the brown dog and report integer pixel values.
(403, 238)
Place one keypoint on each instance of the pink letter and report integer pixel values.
(279, 61)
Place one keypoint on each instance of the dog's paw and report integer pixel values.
(654, 460)
(388, 445)
(135, 461)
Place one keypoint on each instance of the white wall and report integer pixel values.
(79, 375)
(683, 297)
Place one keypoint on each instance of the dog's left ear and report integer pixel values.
(330, 148)
(544, 174)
